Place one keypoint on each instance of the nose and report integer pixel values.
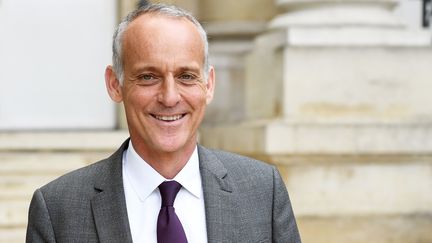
(169, 94)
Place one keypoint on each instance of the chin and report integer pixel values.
(171, 145)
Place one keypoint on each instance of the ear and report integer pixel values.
(210, 85)
(113, 85)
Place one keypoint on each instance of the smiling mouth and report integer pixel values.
(168, 118)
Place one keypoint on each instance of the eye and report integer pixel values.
(187, 78)
(147, 79)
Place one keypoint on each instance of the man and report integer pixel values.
(161, 74)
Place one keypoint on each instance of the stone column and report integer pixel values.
(124, 7)
(231, 27)
(337, 96)
(190, 5)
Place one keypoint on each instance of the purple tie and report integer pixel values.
(169, 227)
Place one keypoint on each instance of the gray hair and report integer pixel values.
(161, 9)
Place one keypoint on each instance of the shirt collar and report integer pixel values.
(144, 179)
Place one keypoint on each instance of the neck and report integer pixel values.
(167, 164)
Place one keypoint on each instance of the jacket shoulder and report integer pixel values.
(76, 180)
(241, 166)
(231, 157)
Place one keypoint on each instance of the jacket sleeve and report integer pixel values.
(284, 223)
(39, 227)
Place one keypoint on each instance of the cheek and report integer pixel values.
(197, 92)
(196, 98)
(138, 96)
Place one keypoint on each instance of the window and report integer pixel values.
(52, 62)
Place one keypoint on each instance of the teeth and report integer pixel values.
(168, 118)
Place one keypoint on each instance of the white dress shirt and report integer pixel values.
(143, 200)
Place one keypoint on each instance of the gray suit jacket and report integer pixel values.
(245, 201)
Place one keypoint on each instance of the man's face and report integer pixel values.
(164, 91)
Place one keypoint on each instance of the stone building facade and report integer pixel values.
(334, 93)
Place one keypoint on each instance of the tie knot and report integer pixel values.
(168, 191)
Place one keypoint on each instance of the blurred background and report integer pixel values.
(335, 93)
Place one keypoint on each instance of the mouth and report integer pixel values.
(168, 118)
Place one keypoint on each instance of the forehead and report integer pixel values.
(157, 29)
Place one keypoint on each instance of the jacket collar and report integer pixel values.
(221, 206)
(109, 205)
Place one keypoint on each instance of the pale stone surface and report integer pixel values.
(343, 13)
(121, 117)
(264, 89)
(228, 10)
(335, 98)
(379, 229)
(279, 137)
(22, 173)
(360, 189)
(92, 140)
(233, 28)
(384, 75)
(12, 235)
(285, 4)
(189, 5)
(234, 138)
(408, 11)
(21, 187)
(349, 36)
(125, 6)
(354, 150)
(13, 213)
(229, 43)
(228, 102)
(29, 160)
(357, 85)
(351, 139)
(48, 162)
(388, 183)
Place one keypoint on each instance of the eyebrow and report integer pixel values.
(152, 68)
(189, 68)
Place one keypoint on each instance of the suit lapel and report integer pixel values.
(109, 205)
(222, 216)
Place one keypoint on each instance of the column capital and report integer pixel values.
(336, 13)
(294, 4)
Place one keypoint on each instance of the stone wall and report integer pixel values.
(335, 96)
(29, 160)
(334, 93)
